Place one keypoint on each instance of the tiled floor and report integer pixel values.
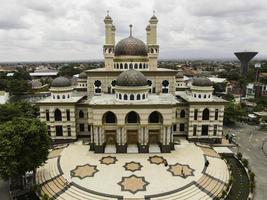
(154, 176)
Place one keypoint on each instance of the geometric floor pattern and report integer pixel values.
(74, 173)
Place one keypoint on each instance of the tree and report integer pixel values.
(24, 145)
(10, 111)
(233, 112)
(18, 86)
(69, 70)
(21, 74)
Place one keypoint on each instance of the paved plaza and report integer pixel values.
(73, 172)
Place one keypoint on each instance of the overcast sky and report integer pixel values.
(40, 30)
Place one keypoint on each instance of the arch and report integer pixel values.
(140, 66)
(155, 117)
(199, 96)
(58, 115)
(120, 97)
(63, 96)
(131, 97)
(138, 97)
(125, 66)
(131, 66)
(81, 114)
(109, 118)
(125, 97)
(144, 65)
(135, 66)
(206, 114)
(143, 96)
(58, 97)
(132, 117)
(121, 66)
(182, 114)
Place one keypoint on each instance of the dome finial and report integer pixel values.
(107, 12)
(131, 30)
(154, 12)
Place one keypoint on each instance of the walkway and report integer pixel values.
(76, 173)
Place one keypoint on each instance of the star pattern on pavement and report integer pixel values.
(108, 160)
(181, 170)
(133, 166)
(83, 171)
(133, 184)
(156, 160)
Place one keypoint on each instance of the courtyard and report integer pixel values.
(73, 172)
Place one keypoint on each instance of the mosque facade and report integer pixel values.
(131, 104)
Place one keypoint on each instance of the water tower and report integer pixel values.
(244, 58)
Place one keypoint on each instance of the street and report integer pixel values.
(250, 140)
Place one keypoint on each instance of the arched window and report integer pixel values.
(205, 96)
(206, 114)
(121, 66)
(140, 66)
(132, 117)
(68, 96)
(138, 97)
(58, 97)
(165, 86)
(131, 97)
(199, 96)
(182, 114)
(125, 66)
(57, 115)
(125, 97)
(63, 97)
(54, 97)
(143, 96)
(120, 97)
(135, 66)
(109, 118)
(216, 114)
(81, 114)
(131, 66)
(97, 84)
(68, 115)
(144, 65)
(155, 117)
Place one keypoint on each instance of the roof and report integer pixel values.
(61, 82)
(201, 81)
(153, 99)
(131, 78)
(48, 73)
(217, 80)
(130, 47)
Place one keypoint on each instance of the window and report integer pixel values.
(195, 114)
(58, 97)
(120, 97)
(182, 114)
(69, 130)
(131, 97)
(195, 130)
(97, 85)
(125, 97)
(81, 126)
(155, 117)
(47, 115)
(131, 66)
(181, 127)
(57, 115)
(132, 117)
(81, 114)
(205, 130)
(215, 130)
(216, 114)
(68, 115)
(143, 96)
(138, 97)
(206, 114)
(59, 131)
(165, 86)
(49, 130)
(109, 117)
(154, 90)
(63, 96)
(174, 127)
(135, 66)
(89, 128)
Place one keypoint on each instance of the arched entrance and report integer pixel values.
(155, 121)
(132, 121)
(109, 121)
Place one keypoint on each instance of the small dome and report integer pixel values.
(131, 78)
(83, 75)
(61, 82)
(202, 81)
(179, 75)
(130, 47)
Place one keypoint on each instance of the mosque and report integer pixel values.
(131, 105)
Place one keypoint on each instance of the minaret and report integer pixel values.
(153, 47)
(108, 48)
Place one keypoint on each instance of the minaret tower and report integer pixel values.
(152, 46)
(108, 48)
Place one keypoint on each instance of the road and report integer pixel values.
(4, 195)
(250, 140)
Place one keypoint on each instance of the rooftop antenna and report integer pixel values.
(131, 31)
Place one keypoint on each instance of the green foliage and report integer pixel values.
(21, 74)
(18, 86)
(239, 155)
(219, 87)
(233, 112)
(24, 145)
(69, 70)
(10, 111)
(245, 162)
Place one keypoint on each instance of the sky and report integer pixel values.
(47, 30)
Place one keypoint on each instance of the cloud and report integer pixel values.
(72, 30)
